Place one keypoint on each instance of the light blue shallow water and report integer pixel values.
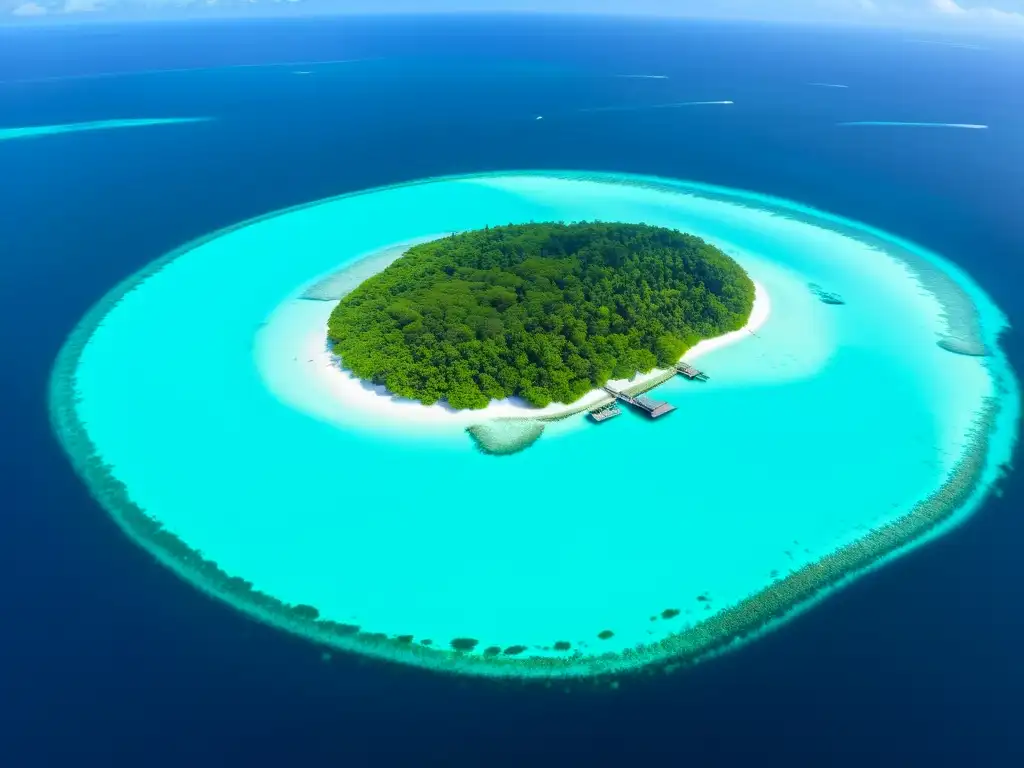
(328, 64)
(831, 421)
(897, 124)
(37, 131)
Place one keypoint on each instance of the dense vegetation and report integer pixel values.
(542, 311)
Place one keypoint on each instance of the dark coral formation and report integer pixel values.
(338, 628)
(305, 612)
(826, 297)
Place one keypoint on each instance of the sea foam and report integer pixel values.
(669, 105)
(898, 124)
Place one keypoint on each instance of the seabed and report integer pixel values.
(835, 438)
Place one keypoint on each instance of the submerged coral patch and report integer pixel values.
(826, 297)
(502, 437)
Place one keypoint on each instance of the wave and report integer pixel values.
(949, 44)
(975, 126)
(654, 106)
(36, 131)
(645, 77)
(695, 103)
(176, 70)
(828, 85)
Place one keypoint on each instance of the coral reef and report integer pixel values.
(503, 437)
(826, 297)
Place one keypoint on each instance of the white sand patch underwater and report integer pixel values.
(831, 437)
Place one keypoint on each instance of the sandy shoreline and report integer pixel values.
(325, 375)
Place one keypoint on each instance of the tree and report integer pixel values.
(540, 311)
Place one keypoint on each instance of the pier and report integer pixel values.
(653, 408)
(690, 372)
(605, 412)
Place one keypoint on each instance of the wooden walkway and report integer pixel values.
(690, 372)
(605, 412)
(653, 408)
(650, 406)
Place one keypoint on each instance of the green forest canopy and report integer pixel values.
(543, 311)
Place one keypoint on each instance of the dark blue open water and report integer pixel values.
(107, 659)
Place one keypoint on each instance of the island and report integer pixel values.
(545, 312)
(245, 457)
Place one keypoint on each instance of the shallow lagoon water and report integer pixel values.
(38, 131)
(830, 422)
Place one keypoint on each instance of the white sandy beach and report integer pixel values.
(325, 379)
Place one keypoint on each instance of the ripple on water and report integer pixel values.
(210, 443)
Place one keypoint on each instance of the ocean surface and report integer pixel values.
(109, 657)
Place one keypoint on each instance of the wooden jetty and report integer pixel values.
(605, 412)
(690, 372)
(653, 408)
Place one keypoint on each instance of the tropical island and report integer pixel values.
(543, 312)
(584, 578)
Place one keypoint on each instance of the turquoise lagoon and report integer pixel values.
(835, 437)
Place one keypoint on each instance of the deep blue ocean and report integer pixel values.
(108, 659)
